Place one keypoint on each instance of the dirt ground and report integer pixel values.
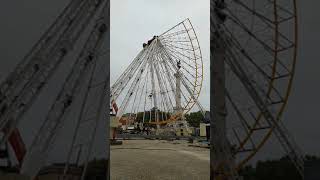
(159, 160)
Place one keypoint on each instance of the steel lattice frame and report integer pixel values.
(22, 87)
(148, 85)
(260, 40)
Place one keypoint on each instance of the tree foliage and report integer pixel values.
(194, 118)
(281, 169)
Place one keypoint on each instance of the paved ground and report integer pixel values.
(158, 160)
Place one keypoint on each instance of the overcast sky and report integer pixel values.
(23, 22)
(302, 114)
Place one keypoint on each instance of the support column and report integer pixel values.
(222, 165)
(178, 91)
(154, 95)
(218, 114)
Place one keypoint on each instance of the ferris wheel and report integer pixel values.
(254, 50)
(164, 81)
(254, 43)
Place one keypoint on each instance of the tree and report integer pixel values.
(194, 118)
(281, 169)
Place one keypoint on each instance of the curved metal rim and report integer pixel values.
(198, 79)
(201, 62)
(288, 89)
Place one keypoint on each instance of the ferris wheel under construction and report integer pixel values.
(164, 81)
(253, 51)
(253, 56)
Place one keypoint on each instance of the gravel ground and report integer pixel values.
(159, 160)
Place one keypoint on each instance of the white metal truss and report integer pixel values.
(71, 88)
(23, 85)
(229, 52)
(19, 91)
